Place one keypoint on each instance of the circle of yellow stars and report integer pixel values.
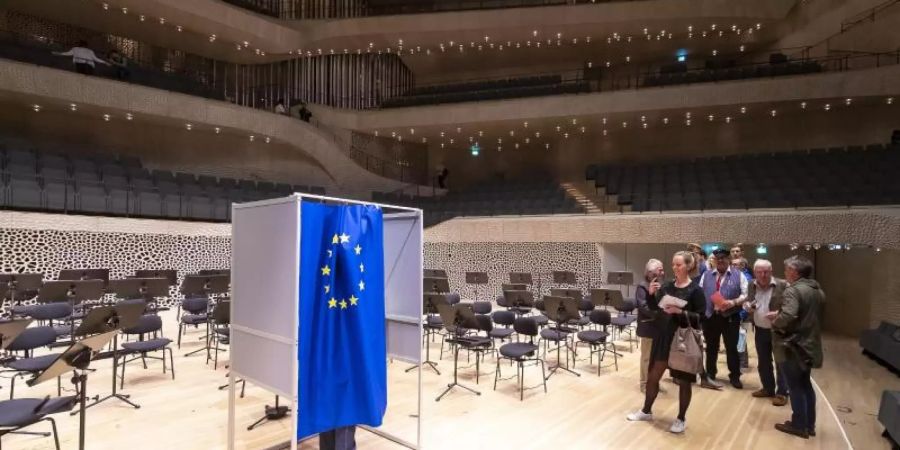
(334, 303)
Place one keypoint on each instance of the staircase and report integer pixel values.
(583, 193)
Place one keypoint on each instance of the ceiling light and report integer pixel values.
(142, 18)
(189, 126)
(106, 117)
(624, 124)
(828, 107)
(645, 125)
(128, 116)
(802, 105)
(178, 28)
(217, 130)
(73, 107)
(605, 132)
(687, 122)
(162, 20)
(124, 10)
(741, 48)
(711, 117)
(743, 110)
(889, 100)
(687, 115)
(36, 107)
(252, 137)
(773, 113)
(105, 6)
(665, 120)
(268, 139)
(212, 38)
(527, 140)
(848, 101)
(728, 119)
(547, 146)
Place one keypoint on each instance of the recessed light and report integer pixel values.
(128, 116)
(73, 107)
(36, 107)
(828, 107)
(105, 6)
(162, 20)
(268, 139)
(142, 18)
(189, 126)
(848, 101)
(743, 110)
(728, 119)
(802, 105)
(212, 38)
(252, 138)
(124, 10)
(773, 113)
(217, 130)
(106, 117)
(665, 120)
(889, 100)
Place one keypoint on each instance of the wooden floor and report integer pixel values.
(586, 412)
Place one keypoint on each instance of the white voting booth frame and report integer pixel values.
(265, 283)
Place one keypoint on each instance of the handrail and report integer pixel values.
(868, 15)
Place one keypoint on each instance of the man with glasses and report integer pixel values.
(765, 294)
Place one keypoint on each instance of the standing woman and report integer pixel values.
(684, 288)
(647, 318)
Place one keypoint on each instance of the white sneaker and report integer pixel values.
(639, 416)
(677, 426)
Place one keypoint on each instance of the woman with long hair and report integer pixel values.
(684, 288)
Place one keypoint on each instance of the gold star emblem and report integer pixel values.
(327, 288)
(334, 240)
(357, 249)
(345, 239)
(362, 285)
(326, 271)
(343, 304)
(353, 300)
(332, 303)
(362, 267)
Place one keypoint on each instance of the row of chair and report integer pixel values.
(575, 87)
(733, 73)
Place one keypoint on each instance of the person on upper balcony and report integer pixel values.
(83, 58)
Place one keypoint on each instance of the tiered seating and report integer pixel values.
(488, 90)
(808, 178)
(511, 198)
(42, 181)
(678, 74)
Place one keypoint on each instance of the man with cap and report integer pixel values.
(726, 291)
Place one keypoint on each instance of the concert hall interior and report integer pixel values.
(435, 224)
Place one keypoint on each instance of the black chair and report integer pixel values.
(148, 324)
(50, 312)
(24, 412)
(220, 324)
(481, 307)
(623, 321)
(598, 340)
(505, 318)
(195, 309)
(27, 342)
(520, 352)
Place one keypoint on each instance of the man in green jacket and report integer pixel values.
(798, 346)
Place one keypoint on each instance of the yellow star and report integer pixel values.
(357, 249)
(362, 285)
(332, 303)
(334, 240)
(343, 304)
(327, 288)
(362, 268)
(353, 300)
(345, 239)
(326, 271)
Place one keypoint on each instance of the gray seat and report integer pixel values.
(20, 413)
(24, 191)
(92, 198)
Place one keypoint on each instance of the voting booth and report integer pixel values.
(266, 297)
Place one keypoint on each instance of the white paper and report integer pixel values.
(668, 300)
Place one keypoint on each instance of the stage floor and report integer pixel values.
(586, 412)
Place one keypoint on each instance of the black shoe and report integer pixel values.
(789, 429)
(736, 382)
(811, 433)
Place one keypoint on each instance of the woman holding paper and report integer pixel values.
(683, 300)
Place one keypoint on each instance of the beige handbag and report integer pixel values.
(686, 353)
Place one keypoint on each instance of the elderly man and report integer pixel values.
(726, 291)
(798, 327)
(765, 294)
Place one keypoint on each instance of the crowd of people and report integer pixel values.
(720, 298)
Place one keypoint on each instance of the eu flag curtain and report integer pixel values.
(342, 349)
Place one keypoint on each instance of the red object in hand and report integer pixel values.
(718, 301)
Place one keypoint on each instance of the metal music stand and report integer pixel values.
(430, 303)
(520, 278)
(476, 278)
(105, 319)
(19, 286)
(563, 277)
(205, 285)
(76, 359)
(603, 296)
(84, 274)
(456, 318)
(435, 273)
(214, 272)
(71, 291)
(147, 289)
(433, 284)
(513, 287)
(571, 293)
(11, 329)
(519, 302)
(169, 274)
(621, 279)
(561, 310)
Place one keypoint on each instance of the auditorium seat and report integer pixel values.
(24, 191)
(91, 198)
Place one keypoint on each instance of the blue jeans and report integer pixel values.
(773, 383)
(803, 396)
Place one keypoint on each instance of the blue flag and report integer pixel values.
(342, 349)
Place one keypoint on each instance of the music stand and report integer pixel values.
(84, 274)
(208, 272)
(476, 278)
(563, 277)
(435, 273)
(76, 359)
(11, 329)
(435, 284)
(205, 285)
(519, 302)
(621, 278)
(70, 291)
(513, 287)
(147, 289)
(456, 318)
(169, 274)
(112, 318)
(14, 285)
(520, 278)
(430, 303)
(561, 310)
(571, 293)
